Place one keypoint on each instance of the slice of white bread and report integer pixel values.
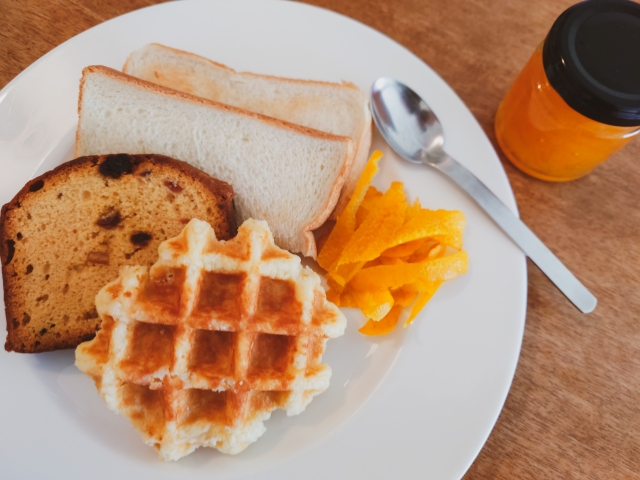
(288, 175)
(340, 109)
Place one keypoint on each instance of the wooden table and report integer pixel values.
(574, 407)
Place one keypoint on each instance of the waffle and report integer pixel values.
(202, 347)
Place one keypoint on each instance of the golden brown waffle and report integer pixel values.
(201, 348)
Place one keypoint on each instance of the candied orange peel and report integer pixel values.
(384, 255)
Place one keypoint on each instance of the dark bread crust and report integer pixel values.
(27, 332)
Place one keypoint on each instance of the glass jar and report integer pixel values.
(577, 100)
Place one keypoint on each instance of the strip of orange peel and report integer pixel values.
(378, 229)
(395, 276)
(346, 222)
(384, 326)
(420, 303)
(375, 304)
(383, 255)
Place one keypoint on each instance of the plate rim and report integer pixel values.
(512, 200)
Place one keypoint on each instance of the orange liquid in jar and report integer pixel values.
(545, 137)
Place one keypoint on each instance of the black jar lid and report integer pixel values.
(592, 59)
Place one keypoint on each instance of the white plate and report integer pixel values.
(418, 404)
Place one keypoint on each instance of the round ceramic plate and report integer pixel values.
(419, 403)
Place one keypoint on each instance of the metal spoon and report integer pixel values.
(415, 133)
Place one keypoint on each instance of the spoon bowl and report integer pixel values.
(412, 129)
(410, 126)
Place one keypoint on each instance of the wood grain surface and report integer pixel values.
(574, 408)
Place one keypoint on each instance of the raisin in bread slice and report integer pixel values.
(67, 233)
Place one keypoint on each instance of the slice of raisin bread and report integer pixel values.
(67, 233)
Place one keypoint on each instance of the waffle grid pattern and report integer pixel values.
(199, 350)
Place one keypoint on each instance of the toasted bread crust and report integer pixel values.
(306, 235)
(52, 321)
(343, 84)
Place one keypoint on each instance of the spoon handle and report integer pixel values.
(537, 251)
